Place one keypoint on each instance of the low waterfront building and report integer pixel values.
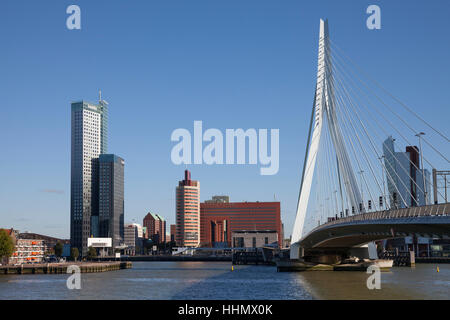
(49, 242)
(27, 251)
(422, 246)
(254, 239)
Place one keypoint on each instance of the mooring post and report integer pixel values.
(412, 258)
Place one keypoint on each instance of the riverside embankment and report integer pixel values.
(168, 257)
(55, 268)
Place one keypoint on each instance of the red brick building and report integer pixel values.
(219, 220)
(156, 227)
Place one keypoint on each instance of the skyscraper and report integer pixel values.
(111, 198)
(88, 140)
(188, 212)
(404, 176)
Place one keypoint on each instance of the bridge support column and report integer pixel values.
(296, 252)
(368, 251)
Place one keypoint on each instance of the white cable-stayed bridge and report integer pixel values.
(369, 162)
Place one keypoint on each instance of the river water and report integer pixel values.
(216, 280)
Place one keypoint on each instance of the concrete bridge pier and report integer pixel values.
(296, 252)
(367, 251)
(333, 255)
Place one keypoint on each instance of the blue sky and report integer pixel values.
(163, 64)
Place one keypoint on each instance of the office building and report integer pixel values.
(111, 199)
(88, 141)
(220, 219)
(406, 188)
(130, 238)
(133, 238)
(156, 227)
(404, 177)
(188, 212)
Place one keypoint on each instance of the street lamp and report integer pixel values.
(419, 135)
(362, 191)
(382, 176)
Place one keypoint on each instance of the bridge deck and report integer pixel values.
(432, 220)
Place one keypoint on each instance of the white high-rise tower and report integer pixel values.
(89, 133)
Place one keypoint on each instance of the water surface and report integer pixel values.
(215, 280)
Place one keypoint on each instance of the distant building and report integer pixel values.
(404, 177)
(130, 238)
(406, 188)
(27, 251)
(111, 199)
(254, 239)
(173, 231)
(220, 219)
(66, 250)
(156, 226)
(188, 212)
(219, 199)
(145, 232)
(49, 242)
(134, 238)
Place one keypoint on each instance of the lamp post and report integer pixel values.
(362, 192)
(419, 135)
(382, 177)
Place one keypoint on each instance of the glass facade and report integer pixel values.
(111, 198)
(88, 140)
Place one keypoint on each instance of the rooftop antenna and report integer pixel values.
(100, 100)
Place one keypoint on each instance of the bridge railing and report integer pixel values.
(412, 212)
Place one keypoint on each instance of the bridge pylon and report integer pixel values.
(323, 110)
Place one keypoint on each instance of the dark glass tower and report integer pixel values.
(111, 198)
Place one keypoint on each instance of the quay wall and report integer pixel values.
(169, 258)
(58, 268)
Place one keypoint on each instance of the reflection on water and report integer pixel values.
(421, 282)
(215, 280)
